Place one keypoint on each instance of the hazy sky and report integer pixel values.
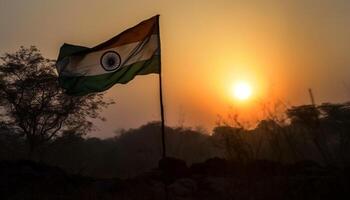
(280, 47)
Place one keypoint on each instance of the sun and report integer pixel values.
(242, 90)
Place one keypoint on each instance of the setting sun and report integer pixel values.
(242, 90)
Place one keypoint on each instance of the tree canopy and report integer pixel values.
(33, 104)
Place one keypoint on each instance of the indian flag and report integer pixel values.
(136, 51)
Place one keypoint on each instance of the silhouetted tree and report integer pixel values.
(233, 141)
(336, 122)
(272, 134)
(307, 119)
(307, 115)
(34, 105)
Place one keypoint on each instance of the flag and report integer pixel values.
(136, 51)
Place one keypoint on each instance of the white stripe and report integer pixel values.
(89, 64)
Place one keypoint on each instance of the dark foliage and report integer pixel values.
(211, 180)
(33, 105)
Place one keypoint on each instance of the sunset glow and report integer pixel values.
(278, 48)
(242, 90)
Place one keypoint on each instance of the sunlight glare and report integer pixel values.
(242, 90)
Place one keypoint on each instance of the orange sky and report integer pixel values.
(280, 47)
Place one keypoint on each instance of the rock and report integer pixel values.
(306, 168)
(173, 169)
(264, 169)
(213, 166)
(182, 189)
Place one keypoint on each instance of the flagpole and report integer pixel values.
(161, 94)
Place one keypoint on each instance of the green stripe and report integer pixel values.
(69, 49)
(82, 85)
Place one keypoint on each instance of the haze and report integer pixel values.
(281, 48)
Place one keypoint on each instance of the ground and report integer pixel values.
(173, 179)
